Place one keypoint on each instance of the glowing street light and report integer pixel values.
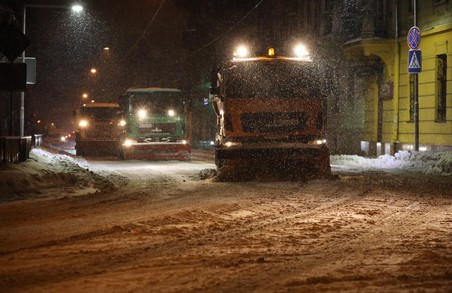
(93, 70)
(85, 95)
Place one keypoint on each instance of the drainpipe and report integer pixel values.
(395, 130)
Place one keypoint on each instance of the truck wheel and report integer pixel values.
(219, 162)
(322, 165)
(79, 152)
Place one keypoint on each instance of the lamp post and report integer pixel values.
(75, 8)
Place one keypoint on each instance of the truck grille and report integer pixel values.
(100, 132)
(274, 122)
(158, 128)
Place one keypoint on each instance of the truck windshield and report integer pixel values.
(269, 79)
(157, 103)
(100, 113)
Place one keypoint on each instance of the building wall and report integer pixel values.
(396, 120)
(431, 131)
(370, 116)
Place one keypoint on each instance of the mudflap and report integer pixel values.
(157, 151)
(321, 163)
(97, 148)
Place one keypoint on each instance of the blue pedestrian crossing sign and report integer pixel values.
(414, 61)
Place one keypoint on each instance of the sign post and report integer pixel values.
(415, 67)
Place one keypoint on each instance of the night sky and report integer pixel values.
(166, 43)
(67, 46)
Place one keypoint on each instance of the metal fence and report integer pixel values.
(14, 149)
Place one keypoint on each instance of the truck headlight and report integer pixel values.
(83, 123)
(142, 114)
(301, 51)
(231, 144)
(129, 142)
(318, 141)
(171, 113)
(241, 52)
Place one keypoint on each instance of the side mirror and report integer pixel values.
(214, 82)
(214, 91)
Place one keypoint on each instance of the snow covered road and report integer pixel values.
(170, 227)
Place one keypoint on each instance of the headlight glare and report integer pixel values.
(318, 141)
(128, 142)
(301, 51)
(142, 114)
(231, 144)
(83, 123)
(241, 52)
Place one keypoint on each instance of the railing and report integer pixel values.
(15, 149)
(37, 140)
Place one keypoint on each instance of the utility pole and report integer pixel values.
(416, 94)
(415, 67)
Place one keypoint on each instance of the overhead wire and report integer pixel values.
(143, 34)
(228, 31)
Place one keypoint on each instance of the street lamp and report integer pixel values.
(75, 8)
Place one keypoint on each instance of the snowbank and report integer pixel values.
(429, 163)
(45, 170)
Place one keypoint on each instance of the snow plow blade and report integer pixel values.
(284, 161)
(97, 148)
(157, 151)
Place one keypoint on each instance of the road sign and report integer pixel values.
(13, 42)
(414, 61)
(414, 37)
(31, 68)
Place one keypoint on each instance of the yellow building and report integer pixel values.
(378, 50)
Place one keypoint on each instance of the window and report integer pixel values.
(441, 90)
(263, 79)
(439, 2)
(411, 97)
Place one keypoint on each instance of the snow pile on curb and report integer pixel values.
(431, 163)
(48, 170)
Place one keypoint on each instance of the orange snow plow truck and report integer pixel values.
(99, 129)
(270, 114)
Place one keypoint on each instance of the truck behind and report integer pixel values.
(100, 127)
